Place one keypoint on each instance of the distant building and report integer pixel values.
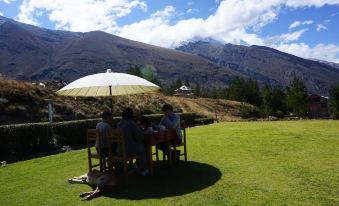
(318, 106)
(184, 91)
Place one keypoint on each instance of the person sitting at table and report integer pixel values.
(141, 119)
(171, 120)
(133, 136)
(104, 128)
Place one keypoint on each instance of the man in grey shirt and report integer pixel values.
(104, 127)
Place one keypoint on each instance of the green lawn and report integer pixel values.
(245, 163)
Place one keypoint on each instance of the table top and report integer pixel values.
(156, 137)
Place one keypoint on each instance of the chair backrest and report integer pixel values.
(116, 136)
(92, 135)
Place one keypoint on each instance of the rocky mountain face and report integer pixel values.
(267, 65)
(32, 53)
(332, 64)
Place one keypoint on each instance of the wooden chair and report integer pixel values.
(182, 144)
(92, 135)
(174, 147)
(116, 137)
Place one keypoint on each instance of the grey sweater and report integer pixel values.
(133, 136)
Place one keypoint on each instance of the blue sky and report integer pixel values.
(306, 28)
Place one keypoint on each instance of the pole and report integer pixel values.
(110, 95)
(50, 112)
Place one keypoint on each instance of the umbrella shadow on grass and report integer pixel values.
(183, 178)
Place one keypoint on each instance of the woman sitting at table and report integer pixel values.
(133, 136)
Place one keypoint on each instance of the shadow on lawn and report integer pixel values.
(185, 177)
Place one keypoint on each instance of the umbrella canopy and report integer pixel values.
(108, 84)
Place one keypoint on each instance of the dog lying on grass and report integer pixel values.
(100, 182)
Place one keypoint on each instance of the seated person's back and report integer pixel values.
(133, 135)
(104, 128)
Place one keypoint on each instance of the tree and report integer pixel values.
(266, 102)
(334, 102)
(170, 90)
(149, 73)
(245, 91)
(236, 89)
(297, 97)
(253, 95)
(278, 101)
(135, 70)
(197, 90)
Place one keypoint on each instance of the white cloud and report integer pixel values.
(191, 11)
(294, 24)
(321, 27)
(327, 52)
(298, 23)
(8, 1)
(1, 13)
(284, 38)
(79, 15)
(223, 24)
(167, 12)
(232, 21)
(190, 3)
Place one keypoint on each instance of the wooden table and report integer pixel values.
(153, 139)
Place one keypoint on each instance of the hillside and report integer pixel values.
(24, 102)
(268, 65)
(32, 53)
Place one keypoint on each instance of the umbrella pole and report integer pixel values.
(110, 94)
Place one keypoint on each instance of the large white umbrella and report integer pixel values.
(108, 84)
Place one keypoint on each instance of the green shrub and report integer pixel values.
(248, 111)
(24, 139)
(203, 121)
(33, 138)
(189, 118)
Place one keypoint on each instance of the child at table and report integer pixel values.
(104, 127)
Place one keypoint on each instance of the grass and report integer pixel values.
(240, 163)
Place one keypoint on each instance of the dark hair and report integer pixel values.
(167, 107)
(127, 113)
(106, 114)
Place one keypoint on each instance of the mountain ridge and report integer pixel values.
(31, 53)
(268, 65)
(34, 54)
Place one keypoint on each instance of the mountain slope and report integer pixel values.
(31, 53)
(21, 101)
(267, 65)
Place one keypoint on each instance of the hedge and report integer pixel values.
(33, 138)
(203, 121)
